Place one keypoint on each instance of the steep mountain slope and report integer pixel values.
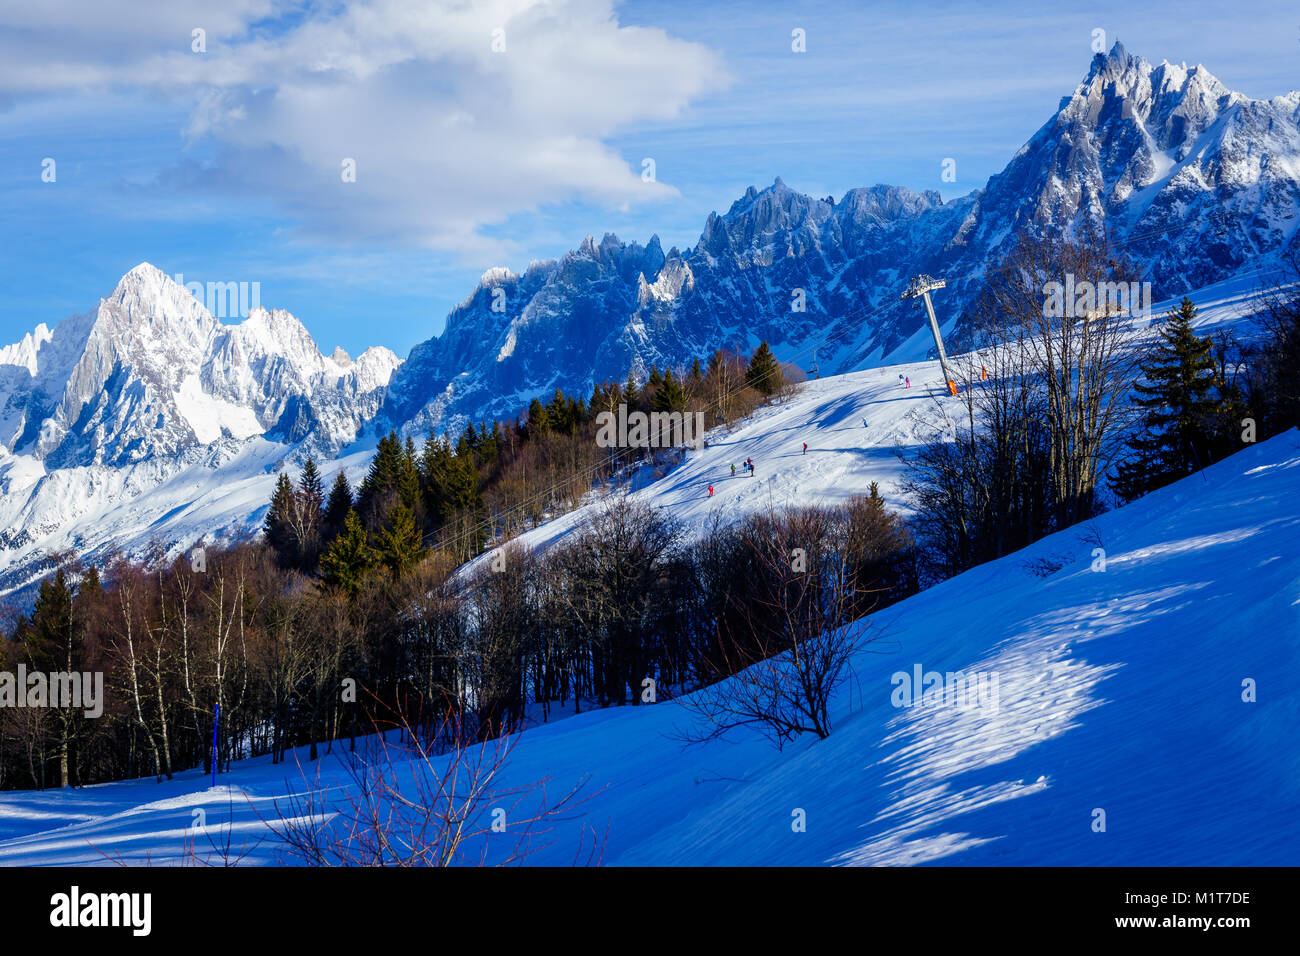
(110, 405)
(844, 455)
(1119, 689)
(1197, 183)
(220, 491)
(1194, 180)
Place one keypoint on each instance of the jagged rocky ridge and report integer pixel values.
(150, 373)
(1197, 183)
(148, 391)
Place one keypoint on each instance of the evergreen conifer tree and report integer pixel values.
(379, 489)
(408, 478)
(339, 504)
(54, 645)
(310, 486)
(276, 527)
(539, 422)
(1180, 404)
(401, 546)
(670, 397)
(349, 558)
(764, 371)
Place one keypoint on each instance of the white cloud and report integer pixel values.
(448, 136)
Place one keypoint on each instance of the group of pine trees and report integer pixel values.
(356, 584)
(256, 657)
(495, 480)
(1205, 397)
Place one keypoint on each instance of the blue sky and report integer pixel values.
(224, 165)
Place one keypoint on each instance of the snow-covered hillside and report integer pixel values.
(148, 391)
(855, 426)
(146, 419)
(1196, 183)
(1121, 688)
(208, 496)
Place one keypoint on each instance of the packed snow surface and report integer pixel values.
(856, 426)
(1157, 686)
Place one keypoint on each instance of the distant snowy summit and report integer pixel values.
(118, 424)
(1195, 182)
(150, 373)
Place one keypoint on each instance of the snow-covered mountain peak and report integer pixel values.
(148, 286)
(777, 206)
(882, 204)
(495, 276)
(150, 374)
(25, 354)
(1171, 105)
(151, 303)
(268, 331)
(1194, 182)
(148, 387)
(1115, 63)
(374, 367)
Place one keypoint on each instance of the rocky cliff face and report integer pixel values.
(1197, 183)
(146, 415)
(150, 373)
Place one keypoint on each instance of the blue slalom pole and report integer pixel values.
(216, 717)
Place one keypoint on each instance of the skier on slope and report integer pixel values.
(733, 471)
(710, 491)
(805, 448)
(907, 382)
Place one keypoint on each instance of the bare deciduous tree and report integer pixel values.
(1066, 304)
(781, 677)
(440, 799)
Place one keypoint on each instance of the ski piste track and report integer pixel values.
(1122, 690)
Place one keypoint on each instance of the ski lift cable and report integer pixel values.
(846, 325)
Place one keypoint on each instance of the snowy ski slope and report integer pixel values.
(1119, 690)
(855, 426)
